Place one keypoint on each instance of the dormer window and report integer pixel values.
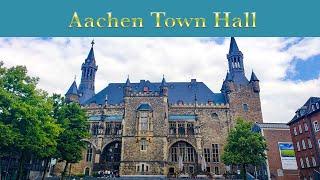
(313, 107)
(145, 89)
(317, 105)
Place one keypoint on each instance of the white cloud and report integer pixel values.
(56, 61)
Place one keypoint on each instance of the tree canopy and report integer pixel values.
(34, 125)
(244, 147)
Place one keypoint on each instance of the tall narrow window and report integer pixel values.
(298, 146)
(216, 170)
(207, 154)
(245, 107)
(314, 162)
(143, 144)
(108, 128)
(300, 129)
(215, 153)
(295, 131)
(181, 129)
(144, 121)
(316, 126)
(172, 129)
(303, 144)
(190, 129)
(89, 153)
(301, 163)
(306, 128)
(307, 162)
(309, 143)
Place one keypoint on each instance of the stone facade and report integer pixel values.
(156, 128)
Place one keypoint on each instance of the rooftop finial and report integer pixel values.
(75, 77)
(92, 43)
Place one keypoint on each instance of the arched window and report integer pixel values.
(89, 153)
(182, 150)
(111, 156)
(87, 171)
(214, 116)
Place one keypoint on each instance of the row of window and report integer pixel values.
(142, 167)
(108, 128)
(303, 144)
(181, 128)
(305, 162)
(305, 128)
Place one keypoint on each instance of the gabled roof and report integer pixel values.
(177, 91)
(306, 109)
(144, 107)
(73, 89)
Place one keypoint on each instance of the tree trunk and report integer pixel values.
(0, 168)
(8, 168)
(20, 168)
(244, 171)
(70, 169)
(64, 170)
(45, 168)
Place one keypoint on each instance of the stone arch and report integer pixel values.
(86, 171)
(88, 141)
(111, 157)
(185, 150)
(181, 139)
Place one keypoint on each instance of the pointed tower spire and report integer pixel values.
(73, 89)
(235, 61)
(72, 93)
(89, 69)
(233, 46)
(127, 87)
(253, 77)
(128, 82)
(164, 87)
(91, 53)
(163, 82)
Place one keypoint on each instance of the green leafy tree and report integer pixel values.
(74, 122)
(26, 112)
(244, 147)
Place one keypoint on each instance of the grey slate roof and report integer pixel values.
(306, 109)
(177, 91)
(73, 89)
(253, 77)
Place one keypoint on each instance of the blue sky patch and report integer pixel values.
(304, 70)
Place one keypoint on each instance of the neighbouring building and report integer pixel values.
(147, 128)
(281, 162)
(304, 128)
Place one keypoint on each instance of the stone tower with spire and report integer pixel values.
(89, 69)
(243, 95)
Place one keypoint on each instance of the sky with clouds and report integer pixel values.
(288, 68)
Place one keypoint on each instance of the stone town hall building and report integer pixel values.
(147, 128)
